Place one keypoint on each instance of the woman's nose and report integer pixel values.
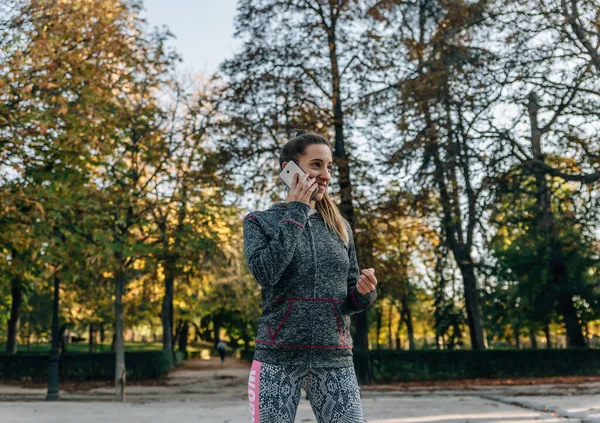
(326, 174)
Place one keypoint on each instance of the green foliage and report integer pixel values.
(403, 366)
(141, 365)
(523, 296)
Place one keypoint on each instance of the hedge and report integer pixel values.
(140, 365)
(386, 366)
(401, 366)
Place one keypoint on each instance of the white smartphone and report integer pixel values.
(288, 172)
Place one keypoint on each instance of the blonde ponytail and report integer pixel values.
(333, 218)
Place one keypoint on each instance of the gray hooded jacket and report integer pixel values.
(308, 279)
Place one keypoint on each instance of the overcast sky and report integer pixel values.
(204, 29)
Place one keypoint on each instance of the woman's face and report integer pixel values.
(317, 162)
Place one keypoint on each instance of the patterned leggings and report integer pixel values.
(274, 393)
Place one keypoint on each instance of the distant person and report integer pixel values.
(301, 252)
(222, 348)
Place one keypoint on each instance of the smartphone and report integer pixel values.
(288, 172)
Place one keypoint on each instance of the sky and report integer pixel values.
(204, 30)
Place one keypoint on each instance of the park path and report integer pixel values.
(204, 391)
(208, 379)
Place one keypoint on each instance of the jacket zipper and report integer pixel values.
(314, 256)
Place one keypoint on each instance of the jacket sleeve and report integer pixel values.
(356, 302)
(268, 258)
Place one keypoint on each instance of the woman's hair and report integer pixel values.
(293, 150)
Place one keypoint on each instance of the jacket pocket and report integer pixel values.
(276, 325)
(331, 327)
(306, 323)
(288, 325)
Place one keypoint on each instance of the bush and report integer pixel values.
(403, 366)
(247, 355)
(73, 366)
(400, 366)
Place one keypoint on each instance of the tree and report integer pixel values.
(401, 242)
(293, 73)
(550, 82)
(142, 149)
(82, 123)
(522, 250)
(431, 87)
(188, 195)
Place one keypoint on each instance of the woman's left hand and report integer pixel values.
(367, 281)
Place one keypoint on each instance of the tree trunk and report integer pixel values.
(548, 337)
(216, 328)
(509, 341)
(339, 152)
(119, 340)
(390, 316)
(197, 332)
(15, 316)
(472, 303)
(532, 339)
(455, 238)
(406, 315)
(458, 240)
(91, 337)
(360, 334)
(557, 265)
(63, 337)
(102, 336)
(167, 313)
(177, 332)
(245, 337)
(439, 294)
(183, 336)
(379, 314)
(399, 332)
(53, 363)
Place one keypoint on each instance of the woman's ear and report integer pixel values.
(284, 164)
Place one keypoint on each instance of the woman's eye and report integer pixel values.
(330, 168)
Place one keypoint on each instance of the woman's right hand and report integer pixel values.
(302, 188)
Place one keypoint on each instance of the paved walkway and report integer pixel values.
(203, 392)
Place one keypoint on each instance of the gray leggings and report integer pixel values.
(274, 393)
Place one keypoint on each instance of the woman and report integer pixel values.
(301, 252)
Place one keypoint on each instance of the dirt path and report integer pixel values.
(195, 379)
(210, 378)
